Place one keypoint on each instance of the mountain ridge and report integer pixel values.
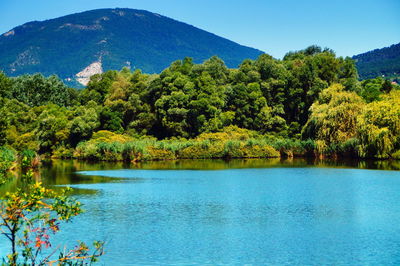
(114, 38)
(379, 62)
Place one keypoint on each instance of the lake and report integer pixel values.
(237, 212)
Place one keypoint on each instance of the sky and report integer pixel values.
(348, 27)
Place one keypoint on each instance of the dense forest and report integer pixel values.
(380, 62)
(310, 103)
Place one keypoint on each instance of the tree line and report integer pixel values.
(309, 95)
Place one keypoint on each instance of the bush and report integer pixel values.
(108, 136)
(200, 150)
(7, 159)
(87, 150)
(29, 159)
(229, 144)
(292, 148)
(30, 217)
(396, 155)
(63, 153)
(158, 154)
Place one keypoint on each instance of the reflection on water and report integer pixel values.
(266, 163)
(212, 212)
(64, 172)
(56, 173)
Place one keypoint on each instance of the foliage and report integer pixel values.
(53, 127)
(379, 62)
(150, 42)
(232, 142)
(5, 86)
(36, 90)
(379, 127)
(84, 123)
(311, 96)
(333, 118)
(293, 147)
(7, 158)
(29, 218)
(372, 89)
(29, 159)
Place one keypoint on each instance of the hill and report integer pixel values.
(79, 45)
(385, 61)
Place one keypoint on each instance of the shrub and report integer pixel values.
(63, 153)
(158, 154)
(201, 151)
(29, 159)
(30, 217)
(7, 159)
(259, 151)
(396, 155)
(108, 136)
(229, 144)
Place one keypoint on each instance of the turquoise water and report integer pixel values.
(280, 215)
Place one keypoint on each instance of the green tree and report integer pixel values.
(36, 90)
(5, 86)
(247, 102)
(172, 111)
(110, 120)
(379, 127)
(98, 87)
(333, 118)
(311, 71)
(28, 218)
(372, 89)
(86, 121)
(3, 125)
(53, 128)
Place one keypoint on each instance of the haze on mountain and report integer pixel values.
(79, 45)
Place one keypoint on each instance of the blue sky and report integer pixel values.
(347, 26)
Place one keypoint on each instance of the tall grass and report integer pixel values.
(150, 149)
(231, 143)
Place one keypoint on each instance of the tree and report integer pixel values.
(110, 120)
(86, 121)
(98, 87)
(312, 70)
(29, 218)
(3, 125)
(127, 98)
(53, 127)
(16, 120)
(36, 90)
(5, 86)
(372, 89)
(379, 127)
(247, 102)
(333, 118)
(172, 111)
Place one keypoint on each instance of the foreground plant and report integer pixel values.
(28, 220)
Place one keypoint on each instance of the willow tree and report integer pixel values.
(333, 118)
(379, 127)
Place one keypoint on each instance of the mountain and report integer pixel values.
(385, 61)
(79, 45)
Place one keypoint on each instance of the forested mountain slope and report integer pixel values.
(79, 45)
(379, 62)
